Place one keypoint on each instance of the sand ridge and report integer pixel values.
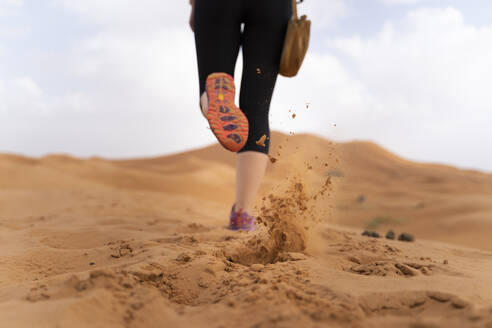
(143, 243)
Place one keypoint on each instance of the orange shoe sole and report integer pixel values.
(228, 123)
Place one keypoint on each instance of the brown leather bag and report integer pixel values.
(296, 43)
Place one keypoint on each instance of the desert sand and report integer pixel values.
(143, 242)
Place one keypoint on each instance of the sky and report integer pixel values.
(118, 78)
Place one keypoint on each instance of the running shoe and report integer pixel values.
(240, 220)
(228, 123)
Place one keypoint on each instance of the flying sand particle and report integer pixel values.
(272, 159)
(293, 116)
(262, 140)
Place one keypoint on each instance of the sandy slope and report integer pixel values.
(142, 243)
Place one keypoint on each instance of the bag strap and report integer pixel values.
(294, 9)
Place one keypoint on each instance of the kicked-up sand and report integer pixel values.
(143, 242)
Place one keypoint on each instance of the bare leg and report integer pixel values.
(250, 169)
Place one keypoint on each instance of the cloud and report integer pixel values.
(429, 74)
(13, 32)
(8, 7)
(132, 87)
(129, 87)
(403, 2)
(432, 57)
(11, 3)
(324, 13)
(23, 99)
(127, 15)
(27, 85)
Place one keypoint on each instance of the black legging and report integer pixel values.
(218, 36)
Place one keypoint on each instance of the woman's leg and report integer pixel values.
(218, 38)
(250, 169)
(262, 41)
(217, 27)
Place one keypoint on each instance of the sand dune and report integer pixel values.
(142, 242)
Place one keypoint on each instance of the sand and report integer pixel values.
(143, 242)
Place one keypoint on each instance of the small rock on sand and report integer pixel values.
(406, 237)
(372, 234)
(390, 235)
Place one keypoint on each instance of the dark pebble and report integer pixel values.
(406, 237)
(92, 263)
(372, 234)
(390, 235)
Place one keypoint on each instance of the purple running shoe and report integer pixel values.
(240, 220)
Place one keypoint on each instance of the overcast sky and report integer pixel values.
(118, 78)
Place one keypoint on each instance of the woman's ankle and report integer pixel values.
(243, 208)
